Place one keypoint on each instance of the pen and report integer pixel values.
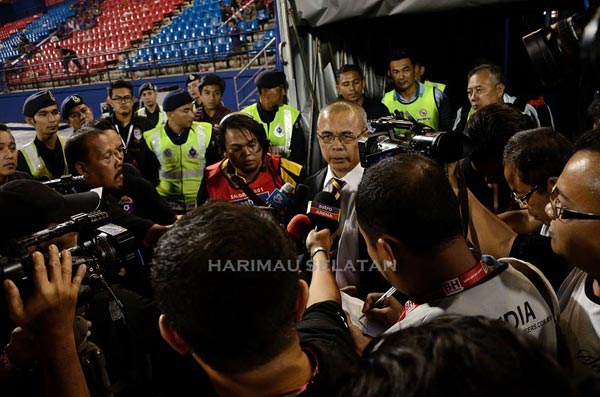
(383, 297)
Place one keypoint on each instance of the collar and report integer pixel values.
(314, 361)
(352, 178)
(418, 93)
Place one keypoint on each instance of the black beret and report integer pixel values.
(146, 87)
(37, 101)
(175, 99)
(212, 79)
(192, 77)
(69, 103)
(270, 79)
(30, 206)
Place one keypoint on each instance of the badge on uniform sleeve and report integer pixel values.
(279, 131)
(137, 134)
(192, 153)
(167, 153)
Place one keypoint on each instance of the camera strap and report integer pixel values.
(239, 181)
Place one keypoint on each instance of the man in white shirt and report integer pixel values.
(340, 125)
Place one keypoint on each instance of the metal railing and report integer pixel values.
(262, 53)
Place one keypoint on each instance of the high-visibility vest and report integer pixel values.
(279, 131)
(423, 108)
(36, 163)
(162, 115)
(181, 166)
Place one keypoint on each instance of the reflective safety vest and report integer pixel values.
(181, 166)
(162, 115)
(439, 86)
(423, 108)
(279, 131)
(35, 162)
(278, 171)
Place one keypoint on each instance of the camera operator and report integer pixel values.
(48, 313)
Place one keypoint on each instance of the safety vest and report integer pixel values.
(423, 108)
(35, 162)
(439, 86)
(279, 131)
(278, 171)
(162, 115)
(181, 166)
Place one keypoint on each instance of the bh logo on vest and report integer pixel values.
(168, 153)
(192, 153)
(279, 131)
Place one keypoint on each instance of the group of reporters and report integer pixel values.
(277, 331)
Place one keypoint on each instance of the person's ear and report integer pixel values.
(172, 337)
(81, 169)
(30, 121)
(385, 248)
(500, 87)
(301, 299)
(550, 183)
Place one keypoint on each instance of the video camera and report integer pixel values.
(66, 184)
(103, 247)
(443, 147)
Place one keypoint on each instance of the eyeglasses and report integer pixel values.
(522, 200)
(123, 99)
(82, 112)
(119, 153)
(344, 137)
(560, 212)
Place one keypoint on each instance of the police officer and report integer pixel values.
(182, 147)
(43, 157)
(151, 109)
(281, 121)
(192, 82)
(131, 128)
(75, 111)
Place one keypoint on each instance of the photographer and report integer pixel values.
(43, 308)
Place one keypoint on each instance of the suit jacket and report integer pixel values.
(371, 280)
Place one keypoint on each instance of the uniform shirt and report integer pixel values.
(347, 253)
(506, 294)
(580, 322)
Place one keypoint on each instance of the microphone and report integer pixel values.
(324, 212)
(299, 226)
(279, 199)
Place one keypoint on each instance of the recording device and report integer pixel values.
(559, 51)
(66, 184)
(103, 247)
(299, 227)
(444, 147)
(324, 212)
(280, 198)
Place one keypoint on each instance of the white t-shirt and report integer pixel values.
(580, 322)
(507, 294)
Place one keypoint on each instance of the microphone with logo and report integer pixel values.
(280, 198)
(323, 213)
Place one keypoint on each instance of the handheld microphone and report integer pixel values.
(324, 212)
(279, 199)
(299, 227)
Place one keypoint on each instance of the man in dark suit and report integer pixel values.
(339, 126)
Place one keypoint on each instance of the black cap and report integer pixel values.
(212, 79)
(175, 99)
(192, 77)
(69, 103)
(146, 87)
(30, 206)
(37, 101)
(270, 79)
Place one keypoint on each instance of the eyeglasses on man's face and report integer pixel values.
(123, 99)
(522, 200)
(557, 211)
(344, 137)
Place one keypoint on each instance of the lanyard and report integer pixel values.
(450, 287)
(125, 143)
